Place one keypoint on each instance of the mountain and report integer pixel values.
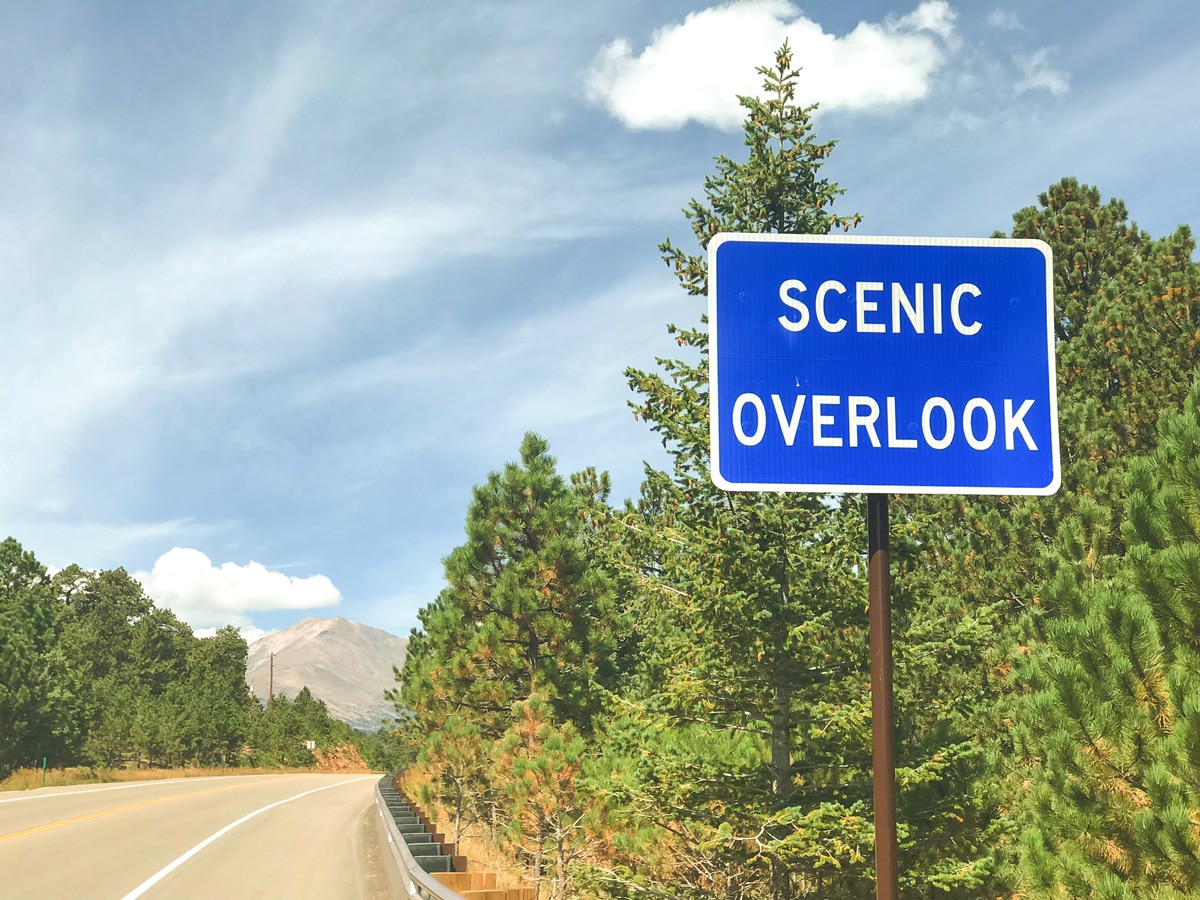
(346, 664)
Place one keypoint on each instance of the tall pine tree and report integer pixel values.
(1117, 713)
(523, 612)
(750, 740)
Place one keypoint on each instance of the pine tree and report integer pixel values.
(279, 734)
(1117, 714)
(536, 766)
(37, 696)
(218, 699)
(521, 610)
(451, 769)
(1127, 327)
(750, 741)
(1126, 319)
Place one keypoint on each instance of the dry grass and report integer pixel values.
(477, 847)
(27, 779)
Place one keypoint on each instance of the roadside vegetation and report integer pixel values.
(29, 779)
(94, 678)
(670, 697)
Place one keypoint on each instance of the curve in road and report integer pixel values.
(242, 836)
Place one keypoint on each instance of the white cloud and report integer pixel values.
(250, 632)
(695, 70)
(1037, 74)
(1005, 20)
(208, 596)
(932, 15)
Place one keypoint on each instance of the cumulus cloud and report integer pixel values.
(694, 70)
(1038, 75)
(209, 596)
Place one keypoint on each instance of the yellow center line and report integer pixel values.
(37, 829)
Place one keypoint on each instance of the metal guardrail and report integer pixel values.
(414, 880)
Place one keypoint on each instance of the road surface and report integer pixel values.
(253, 836)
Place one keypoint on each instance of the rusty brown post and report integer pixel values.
(883, 732)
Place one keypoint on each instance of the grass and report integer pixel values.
(28, 779)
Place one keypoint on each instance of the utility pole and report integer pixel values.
(271, 685)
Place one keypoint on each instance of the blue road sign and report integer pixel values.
(882, 365)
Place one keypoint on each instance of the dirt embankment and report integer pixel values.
(344, 758)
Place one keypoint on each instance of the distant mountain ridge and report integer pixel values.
(344, 663)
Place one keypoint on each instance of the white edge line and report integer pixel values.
(44, 793)
(172, 866)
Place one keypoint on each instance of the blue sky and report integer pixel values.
(282, 281)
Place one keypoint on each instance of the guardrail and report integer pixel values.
(426, 865)
(414, 880)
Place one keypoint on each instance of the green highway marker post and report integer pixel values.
(43, 771)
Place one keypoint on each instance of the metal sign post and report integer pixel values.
(882, 365)
(883, 729)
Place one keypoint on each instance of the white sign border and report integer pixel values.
(914, 241)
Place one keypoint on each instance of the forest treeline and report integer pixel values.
(670, 697)
(92, 673)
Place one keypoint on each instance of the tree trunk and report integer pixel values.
(458, 805)
(560, 867)
(531, 658)
(538, 861)
(781, 730)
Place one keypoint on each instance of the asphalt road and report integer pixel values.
(255, 836)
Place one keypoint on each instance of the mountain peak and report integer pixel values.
(345, 663)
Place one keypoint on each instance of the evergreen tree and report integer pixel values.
(385, 749)
(1117, 715)
(91, 671)
(159, 647)
(1127, 328)
(537, 766)
(218, 700)
(451, 766)
(100, 608)
(521, 608)
(279, 734)
(37, 699)
(755, 745)
(1127, 324)
(133, 659)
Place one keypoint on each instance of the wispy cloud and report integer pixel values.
(60, 538)
(1005, 20)
(1037, 74)
(263, 116)
(692, 71)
